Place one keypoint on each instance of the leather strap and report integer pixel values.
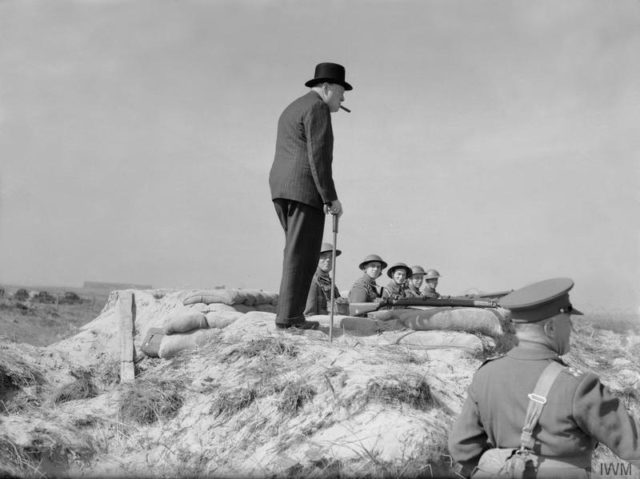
(537, 400)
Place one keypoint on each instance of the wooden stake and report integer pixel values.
(126, 315)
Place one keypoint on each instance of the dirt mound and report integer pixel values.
(249, 401)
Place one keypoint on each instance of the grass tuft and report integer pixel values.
(264, 348)
(147, 401)
(16, 374)
(81, 388)
(230, 403)
(398, 391)
(294, 396)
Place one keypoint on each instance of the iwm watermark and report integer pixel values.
(615, 469)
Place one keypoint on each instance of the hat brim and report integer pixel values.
(575, 311)
(338, 252)
(393, 270)
(364, 264)
(315, 81)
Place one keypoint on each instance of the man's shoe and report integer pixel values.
(306, 325)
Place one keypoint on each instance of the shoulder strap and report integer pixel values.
(537, 400)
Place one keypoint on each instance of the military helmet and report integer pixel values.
(432, 274)
(328, 248)
(416, 270)
(396, 266)
(370, 259)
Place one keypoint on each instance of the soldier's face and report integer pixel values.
(325, 263)
(373, 269)
(416, 280)
(399, 276)
(432, 284)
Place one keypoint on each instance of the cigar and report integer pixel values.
(345, 109)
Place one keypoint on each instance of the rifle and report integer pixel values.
(361, 309)
(496, 294)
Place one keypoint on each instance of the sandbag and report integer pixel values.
(185, 321)
(357, 326)
(151, 342)
(225, 296)
(216, 307)
(255, 297)
(266, 308)
(176, 343)
(222, 319)
(473, 320)
(438, 340)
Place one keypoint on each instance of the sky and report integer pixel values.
(496, 140)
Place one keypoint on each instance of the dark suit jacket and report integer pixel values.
(301, 170)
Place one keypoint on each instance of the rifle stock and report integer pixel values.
(359, 309)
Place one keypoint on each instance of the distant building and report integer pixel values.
(112, 286)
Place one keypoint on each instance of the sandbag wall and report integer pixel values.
(203, 314)
(488, 321)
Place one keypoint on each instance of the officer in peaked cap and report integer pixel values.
(319, 296)
(579, 410)
(365, 289)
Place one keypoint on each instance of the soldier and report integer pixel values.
(414, 282)
(577, 412)
(365, 289)
(395, 289)
(430, 284)
(320, 292)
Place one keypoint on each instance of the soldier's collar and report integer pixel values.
(533, 351)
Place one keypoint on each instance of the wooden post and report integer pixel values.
(126, 313)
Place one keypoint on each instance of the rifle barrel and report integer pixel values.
(357, 309)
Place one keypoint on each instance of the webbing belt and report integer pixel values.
(537, 400)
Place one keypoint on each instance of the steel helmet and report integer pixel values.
(417, 270)
(432, 274)
(396, 266)
(371, 258)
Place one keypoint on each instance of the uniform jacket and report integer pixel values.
(394, 290)
(427, 293)
(364, 290)
(301, 169)
(320, 294)
(413, 292)
(579, 411)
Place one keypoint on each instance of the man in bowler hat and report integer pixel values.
(302, 187)
(577, 412)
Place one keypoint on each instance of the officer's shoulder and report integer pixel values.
(572, 371)
(490, 359)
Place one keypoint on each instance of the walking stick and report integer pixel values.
(333, 274)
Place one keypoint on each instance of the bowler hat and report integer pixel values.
(328, 248)
(371, 258)
(330, 73)
(539, 301)
(396, 266)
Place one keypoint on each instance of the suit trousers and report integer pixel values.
(303, 228)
